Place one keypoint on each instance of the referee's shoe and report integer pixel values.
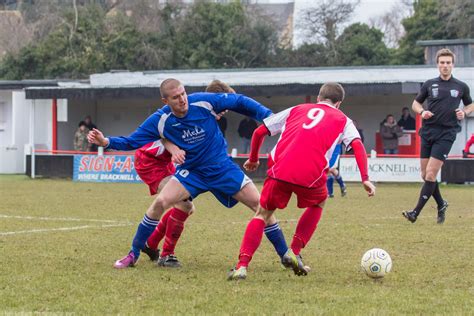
(442, 212)
(410, 215)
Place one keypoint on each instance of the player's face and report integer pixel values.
(445, 66)
(177, 99)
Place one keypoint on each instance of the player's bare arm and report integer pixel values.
(418, 108)
(97, 137)
(178, 155)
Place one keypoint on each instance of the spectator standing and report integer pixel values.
(360, 130)
(390, 132)
(407, 122)
(80, 138)
(90, 126)
(88, 122)
(245, 130)
(222, 122)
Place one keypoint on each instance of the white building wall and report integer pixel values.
(15, 136)
(6, 133)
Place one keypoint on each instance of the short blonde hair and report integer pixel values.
(444, 52)
(332, 91)
(218, 86)
(167, 84)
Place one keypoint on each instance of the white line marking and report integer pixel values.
(66, 219)
(61, 229)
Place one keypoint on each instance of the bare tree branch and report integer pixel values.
(322, 23)
(390, 23)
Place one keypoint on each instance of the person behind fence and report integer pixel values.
(245, 130)
(390, 133)
(80, 138)
(360, 130)
(90, 126)
(217, 86)
(407, 122)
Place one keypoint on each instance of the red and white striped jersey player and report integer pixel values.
(154, 165)
(298, 164)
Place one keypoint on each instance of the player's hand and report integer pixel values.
(251, 166)
(178, 156)
(460, 114)
(369, 187)
(218, 116)
(96, 137)
(427, 115)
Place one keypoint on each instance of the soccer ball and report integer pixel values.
(376, 263)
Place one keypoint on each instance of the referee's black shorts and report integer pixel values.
(436, 141)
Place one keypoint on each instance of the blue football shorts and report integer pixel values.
(223, 180)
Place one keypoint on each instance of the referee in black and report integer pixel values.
(440, 126)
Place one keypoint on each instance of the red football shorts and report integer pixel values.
(152, 170)
(277, 194)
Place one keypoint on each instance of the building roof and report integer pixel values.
(283, 81)
(21, 84)
(446, 42)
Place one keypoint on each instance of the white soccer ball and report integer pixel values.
(376, 263)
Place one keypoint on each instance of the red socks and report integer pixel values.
(306, 226)
(251, 241)
(174, 228)
(159, 232)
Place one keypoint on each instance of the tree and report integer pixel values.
(76, 51)
(360, 45)
(434, 20)
(307, 55)
(223, 35)
(323, 22)
(458, 16)
(390, 23)
(91, 39)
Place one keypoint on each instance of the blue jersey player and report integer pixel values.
(334, 173)
(189, 122)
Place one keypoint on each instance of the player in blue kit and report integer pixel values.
(189, 122)
(334, 173)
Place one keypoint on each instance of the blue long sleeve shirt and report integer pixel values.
(197, 133)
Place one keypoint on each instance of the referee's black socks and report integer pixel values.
(437, 195)
(425, 194)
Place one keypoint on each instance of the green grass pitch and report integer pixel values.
(59, 239)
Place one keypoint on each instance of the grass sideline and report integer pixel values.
(70, 270)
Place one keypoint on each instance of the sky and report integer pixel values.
(366, 10)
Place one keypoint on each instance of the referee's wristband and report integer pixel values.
(421, 113)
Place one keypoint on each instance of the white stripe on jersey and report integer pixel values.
(161, 124)
(157, 144)
(349, 134)
(275, 123)
(206, 105)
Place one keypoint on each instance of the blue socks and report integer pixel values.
(144, 230)
(340, 181)
(329, 184)
(276, 237)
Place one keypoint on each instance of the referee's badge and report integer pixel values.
(434, 92)
(454, 93)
